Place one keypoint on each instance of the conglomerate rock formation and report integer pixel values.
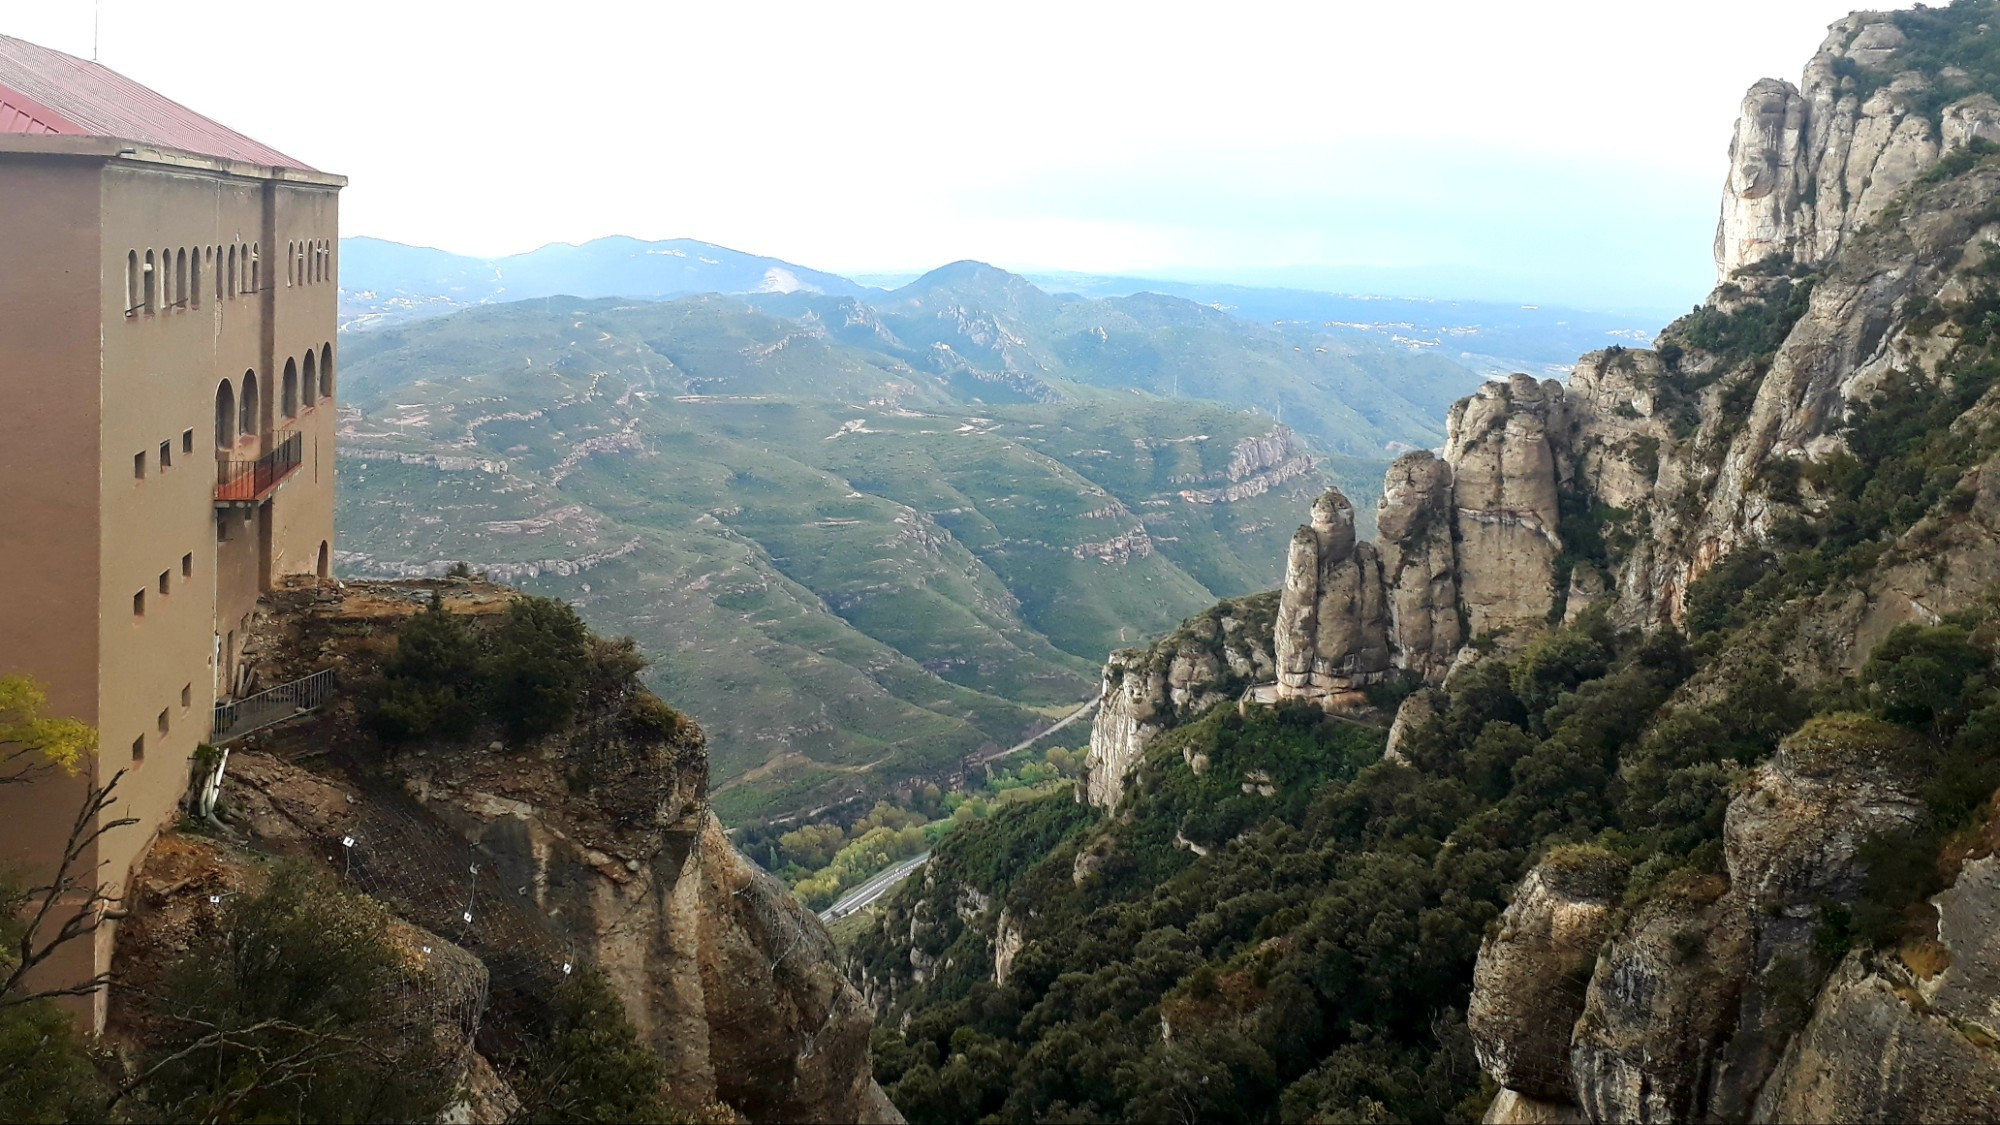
(594, 845)
(1856, 255)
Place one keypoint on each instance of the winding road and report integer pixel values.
(865, 895)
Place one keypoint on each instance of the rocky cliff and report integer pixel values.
(1808, 461)
(1212, 658)
(594, 845)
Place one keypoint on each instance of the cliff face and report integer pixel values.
(595, 845)
(1210, 659)
(1810, 165)
(1856, 258)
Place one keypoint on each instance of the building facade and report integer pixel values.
(168, 370)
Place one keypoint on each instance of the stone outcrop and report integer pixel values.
(1887, 1043)
(595, 845)
(1664, 992)
(1469, 546)
(1210, 659)
(1811, 164)
(1333, 617)
(1508, 451)
(1528, 986)
(1698, 1006)
(1414, 524)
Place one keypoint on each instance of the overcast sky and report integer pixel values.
(1575, 148)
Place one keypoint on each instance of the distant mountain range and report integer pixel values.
(386, 282)
(863, 534)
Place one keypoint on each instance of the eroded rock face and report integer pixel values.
(1508, 449)
(1791, 838)
(1332, 636)
(1528, 985)
(1869, 1054)
(1811, 164)
(1420, 564)
(1513, 1108)
(1210, 659)
(1008, 938)
(1662, 996)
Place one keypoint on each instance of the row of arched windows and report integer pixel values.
(307, 384)
(309, 262)
(170, 280)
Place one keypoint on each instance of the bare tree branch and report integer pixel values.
(83, 917)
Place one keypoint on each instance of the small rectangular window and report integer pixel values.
(187, 565)
(139, 465)
(187, 696)
(139, 604)
(164, 588)
(163, 722)
(166, 455)
(139, 750)
(187, 441)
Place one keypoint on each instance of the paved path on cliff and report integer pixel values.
(882, 884)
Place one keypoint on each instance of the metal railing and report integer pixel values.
(253, 480)
(235, 719)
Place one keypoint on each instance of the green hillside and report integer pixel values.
(854, 556)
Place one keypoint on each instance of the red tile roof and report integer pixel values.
(44, 91)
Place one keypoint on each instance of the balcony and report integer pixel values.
(251, 482)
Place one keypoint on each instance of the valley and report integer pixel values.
(861, 542)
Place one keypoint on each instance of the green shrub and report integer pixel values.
(588, 1065)
(297, 1007)
(535, 677)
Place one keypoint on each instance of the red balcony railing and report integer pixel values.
(251, 481)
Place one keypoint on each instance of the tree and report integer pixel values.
(298, 1007)
(31, 742)
(537, 674)
(46, 1073)
(591, 1066)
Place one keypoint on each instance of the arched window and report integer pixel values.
(289, 393)
(152, 276)
(232, 270)
(310, 387)
(248, 424)
(256, 268)
(180, 278)
(291, 264)
(194, 278)
(326, 371)
(132, 283)
(225, 416)
(325, 560)
(215, 267)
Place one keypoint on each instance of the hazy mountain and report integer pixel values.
(384, 281)
(860, 542)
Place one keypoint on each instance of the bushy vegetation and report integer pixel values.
(1751, 330)
(1940, 682)
(531, 673)
(826, 858)
(298, 1006)
(1315, 963)
(588, 1066)
(1937, 38)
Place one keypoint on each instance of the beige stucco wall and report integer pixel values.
(49, 458)
(84, 465)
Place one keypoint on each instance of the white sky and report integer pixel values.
(1548, 138)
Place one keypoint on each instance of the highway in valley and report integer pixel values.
(873, 889)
